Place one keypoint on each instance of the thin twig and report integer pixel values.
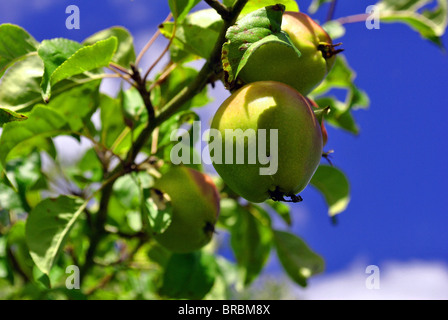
(122, 76)
(155, 140)
(150, 42)
(354, 18)
(331, 10)
(120, 68)
(161, 55)
(163, 76)
(99, 144)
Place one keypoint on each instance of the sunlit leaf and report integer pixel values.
(20, 86)
(54, 53)
(42, 122)
(430, 23)
(197, 34)
(77, 104)
(9, 116)
(341, 76)
(250, 33)
(297, 259)
(340, 115)
(15, 45)
(85, 59)
(334, 186)
(334, 29)
(252, 5)
(125, 53)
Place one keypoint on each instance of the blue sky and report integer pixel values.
(397, 166)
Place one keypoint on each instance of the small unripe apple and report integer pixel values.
(277, 62)
(270, 106)
(195, 209)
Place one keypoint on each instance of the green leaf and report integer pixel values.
(228, 212)
(251, 243)
(334, 29)
(20, 86)
(341, 76)
(24, 174)
(178, 79)
(9, 116)
(42, 123)
(315, 5)
(197, 34)
(282, 209)
(87, 170)
(127, 192)
(15, 45)
(189, 276)
(41, 278)
(297, 259)
(133, 107)
(185, 119)
(112, 121)
(85, 59)
(430, 23)
(334, 186)
(53, 53)
(126, 204)
(340, 115)
(252, 5)
(256, 29)
(48, 226)
(180, 8)
(77, 104)
(228, 3)
(125, 53)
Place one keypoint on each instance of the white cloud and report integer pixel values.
(412, 280)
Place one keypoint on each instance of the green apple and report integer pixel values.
(195, 209)
(277, 62)
(297, 148)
